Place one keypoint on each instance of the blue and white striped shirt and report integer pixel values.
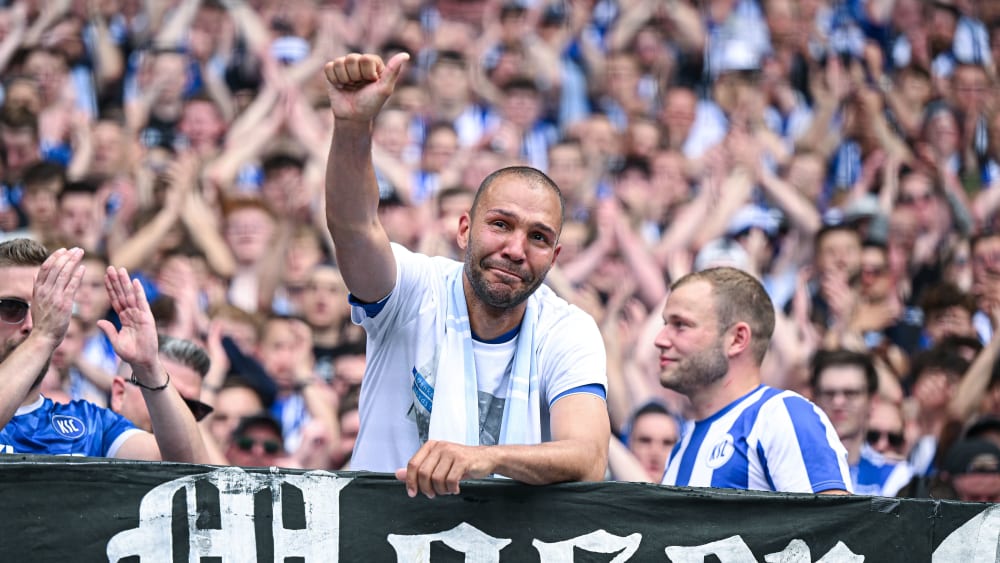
(768, 440)
(876, 475)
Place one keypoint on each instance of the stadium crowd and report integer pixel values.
(844, 152)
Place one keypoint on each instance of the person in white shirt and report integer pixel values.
(473, 369)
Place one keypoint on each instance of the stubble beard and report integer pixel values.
(9, 346)
(697, 371)
(498, 296)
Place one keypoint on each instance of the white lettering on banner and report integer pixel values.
(795, 552)
(235, 541)
(734, 550)
(478, 546)
(976, 540)
(730, 550)
(598, 541)
(841, 554)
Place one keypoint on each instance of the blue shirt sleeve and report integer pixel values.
(591, 388)
(371, 309)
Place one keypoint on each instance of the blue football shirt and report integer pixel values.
(79, 428)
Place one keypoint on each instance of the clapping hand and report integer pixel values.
(54, 291)
(136, 343)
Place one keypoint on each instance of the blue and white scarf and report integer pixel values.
(454, 390)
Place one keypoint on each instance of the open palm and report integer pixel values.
(136, 341)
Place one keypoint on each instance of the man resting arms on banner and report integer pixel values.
(474, 369)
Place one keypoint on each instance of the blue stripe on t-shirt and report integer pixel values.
(735, 474)
(691, 452)
(819, 458)
(591, 388)
(371, 309)
(505, 337)
(763, 464)
(869, 478)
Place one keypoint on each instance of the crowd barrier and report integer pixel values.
(84, 509)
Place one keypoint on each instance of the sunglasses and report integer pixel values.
(895, 439)
(246, 443)
(199, 409)
(13, 311)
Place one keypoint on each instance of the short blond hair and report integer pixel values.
(738, 297)
(22, 252)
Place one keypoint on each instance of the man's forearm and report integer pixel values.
(551, 462)
(352, 198)
(19, 371)
(176, 432)
(975, 382)
(352, 191)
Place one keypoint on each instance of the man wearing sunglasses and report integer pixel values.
(844, 384)
(36, 300)
(257, 442)
(186, 362)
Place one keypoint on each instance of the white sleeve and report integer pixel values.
(799, 447)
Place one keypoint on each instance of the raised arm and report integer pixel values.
(359, 86)
(176, 436)
(51, 305)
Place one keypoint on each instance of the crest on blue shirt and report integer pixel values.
(68, 426)
(721, 452)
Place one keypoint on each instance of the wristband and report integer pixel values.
(138, 383)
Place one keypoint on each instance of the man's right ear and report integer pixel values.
(117, 393)
(464, 225)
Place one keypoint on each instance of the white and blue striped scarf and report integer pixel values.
(454, 385)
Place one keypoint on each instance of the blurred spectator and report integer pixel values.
(186, 363)
(651, 436)
(285, 353)
(971, 473)
(947, 312)
(886, 431)
(256, 442)
(235, 401)
(934, 377)
(844, 385)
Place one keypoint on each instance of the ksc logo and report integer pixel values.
(68, 426)
(721, 452)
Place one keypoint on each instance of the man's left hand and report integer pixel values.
(437, 468)
(136, 342)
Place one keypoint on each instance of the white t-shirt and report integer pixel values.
(405, 333)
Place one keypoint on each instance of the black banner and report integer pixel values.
(79, 509)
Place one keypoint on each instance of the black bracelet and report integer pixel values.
(138, 383)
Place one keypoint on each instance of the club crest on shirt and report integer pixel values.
(720, 453)
(68, 426)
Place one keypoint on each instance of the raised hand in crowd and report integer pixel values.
(44, 323)
(175, 433)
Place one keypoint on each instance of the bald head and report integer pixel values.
(532, 177)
